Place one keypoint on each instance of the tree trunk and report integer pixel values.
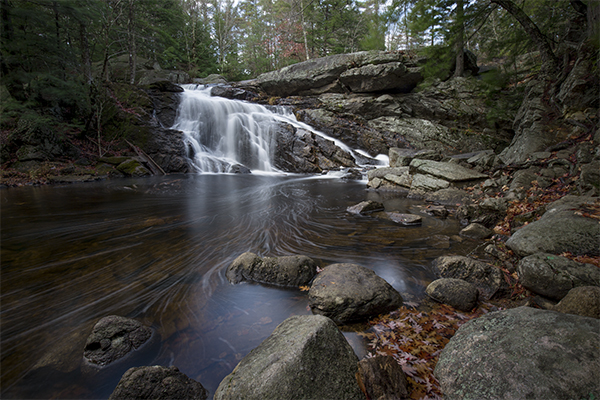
(549, 60)
(460, 51)
(131, 40)
(593, 21)
(86, 60)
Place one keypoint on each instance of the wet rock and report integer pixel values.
(487, 278)
(439, 241)
(405, 219)
(476, 231)
(157, 383)
(350, 292)
(582, 300)
(113, 338)
(306, 357)
(382, 378)
(457, 293)
(289, 271)
(554, 276)
(448, 171)
(436, 211)
(522, 353)
(562, 228)
(365, 207)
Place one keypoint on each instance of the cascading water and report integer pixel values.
(225, 135)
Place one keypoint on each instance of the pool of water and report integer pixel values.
(156, 249)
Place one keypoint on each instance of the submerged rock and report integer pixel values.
(350, 292)
(405, 219)
(113, 338)
(306, 357)
(157, 383)
(522, 353)
(291, 271)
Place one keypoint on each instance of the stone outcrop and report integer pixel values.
(157, 383)
(290, 271)
(522, 353)
(350, 292)
(306, 357)
(554, 276)
(361, 72)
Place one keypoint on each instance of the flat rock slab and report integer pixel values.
(157, 383)
(522, 353)
(289, 271)
(405, 219)
(448, 171)
(426, 182)
(306, 357)
(365, 207)
(350, 292)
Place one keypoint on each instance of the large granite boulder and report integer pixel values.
(291, 271)
(157, 383)
(350, 292)
(563, 228)
(487, 278)
(384, 70)
(306, 357)
(522, 353)
(553, 276)
(113, 338)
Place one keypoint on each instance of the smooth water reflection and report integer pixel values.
(156, 249)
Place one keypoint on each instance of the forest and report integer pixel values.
(55, 54)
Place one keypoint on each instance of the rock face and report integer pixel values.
(522, 353)
(553, 276)
(113, 338)
(561, 228)
(487, 278)
(350, 292)
(292, 271)
(158, 383)
(457, 293)
(360, 72)
(306, 357)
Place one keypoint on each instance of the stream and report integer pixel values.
(156, 249)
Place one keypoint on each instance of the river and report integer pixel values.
(156, 249)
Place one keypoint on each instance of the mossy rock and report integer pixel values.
(133, 167)
(113, 160)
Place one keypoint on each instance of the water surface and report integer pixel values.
(156, 249)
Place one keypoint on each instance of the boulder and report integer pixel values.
(289, 271)
(401, 157)
(306, 357)
(487, 278)
(582, 300)
(350, 292)
(562, 228)
(381, 172)
(114, 337)
(157, 383)
(476, 231)
(388, 77)
(382, 378)
(457, 293)
(522, 353)
(365, 207)
(554, 276)
(448, 171)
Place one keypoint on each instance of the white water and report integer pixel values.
(222, 134)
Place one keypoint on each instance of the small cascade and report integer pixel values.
(224, 135)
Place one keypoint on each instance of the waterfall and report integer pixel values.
(224, 135)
